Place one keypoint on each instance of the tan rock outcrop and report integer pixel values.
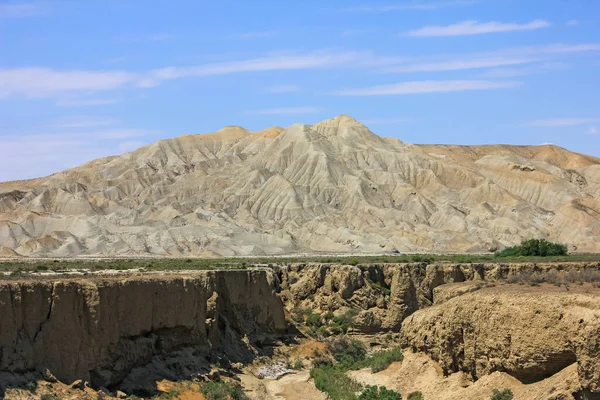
(529, 332)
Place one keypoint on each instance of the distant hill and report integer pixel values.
(330, 187)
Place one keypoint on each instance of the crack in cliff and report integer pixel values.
(39, 331)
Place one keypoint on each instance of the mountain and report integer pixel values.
(330, 187)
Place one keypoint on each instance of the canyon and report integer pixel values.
(465, 328)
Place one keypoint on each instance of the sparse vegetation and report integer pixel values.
(244, 263)
(298, 364)
(504, 394)
(221, 390)
(351, 354)
(379, 393)
(415, 396)
(171, 394)
(557, 278)
(534, 248)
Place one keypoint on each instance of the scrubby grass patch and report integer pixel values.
(331, 377)
(221, 390)
(504, 394)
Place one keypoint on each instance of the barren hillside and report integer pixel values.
(330, 187)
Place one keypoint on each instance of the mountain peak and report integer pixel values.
(341, 121)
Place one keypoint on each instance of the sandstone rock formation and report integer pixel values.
(330, 187)
(530, 333)
(133, 332)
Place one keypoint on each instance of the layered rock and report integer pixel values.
(334, 186)
(120, 332)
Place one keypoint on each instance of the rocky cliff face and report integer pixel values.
(334, 186)
(131, 332)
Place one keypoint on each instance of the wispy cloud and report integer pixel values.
(426, 87)
(572, 22)
(313, 60)
(21, 10)
(419, 6)
(527, 70)
(560, 122)
(461, 64)
(256, 35)
(82, 121)
(477, 28)
(76, 87)
(288, 88)
(46, 82)
(286, 110)
(30, 156)
(592, 131)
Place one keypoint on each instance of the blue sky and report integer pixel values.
(85, 79)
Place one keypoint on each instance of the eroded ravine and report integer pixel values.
(129, 332)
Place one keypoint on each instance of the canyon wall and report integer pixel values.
(101, 330)
(129, 331)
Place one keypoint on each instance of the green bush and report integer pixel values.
(314, 320)
(222, 390)
(298, 364)
(332, 379)
(415, 396)
(504, 394)
(380, 360)
(534, 248)
(379, 393)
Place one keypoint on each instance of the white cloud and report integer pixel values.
(461, 64)
(530, 70)
(46, 82)
(314, 60)
(256, 35)
(477, 28)
(405, 7)
(82, 121)
(286, 110)
(426, 87)
(592, 131)
(288, 88)
(572, 22)
(385, 121)
(560, 122)
(19, 10)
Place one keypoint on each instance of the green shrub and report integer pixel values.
(534, 248)
(504, 394)
(345, 348)
(298, 365)
(415, 396)
(380, 360)
(332, 379)
(222, 390)
(314, 320)
(379, 393)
